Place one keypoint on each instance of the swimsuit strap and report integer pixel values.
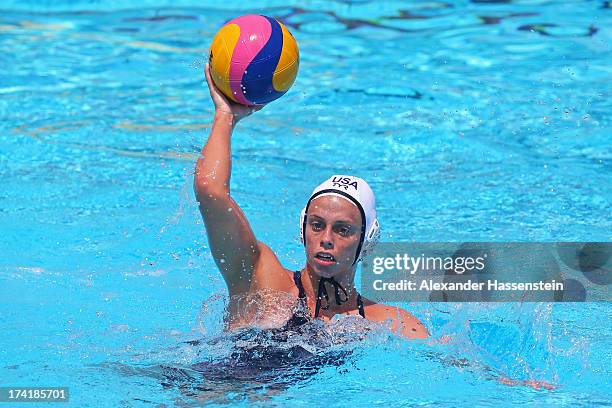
(297, 278)
(360, 306)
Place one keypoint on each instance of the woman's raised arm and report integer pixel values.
(232, 242)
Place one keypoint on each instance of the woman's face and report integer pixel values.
(332, 234)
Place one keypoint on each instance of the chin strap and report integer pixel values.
(322, 293)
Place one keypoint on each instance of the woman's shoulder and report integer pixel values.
(403, 322)
(269, 273)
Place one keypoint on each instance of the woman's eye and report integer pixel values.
(316, 226)
(344, 231)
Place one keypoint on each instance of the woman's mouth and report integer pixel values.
(325, 258)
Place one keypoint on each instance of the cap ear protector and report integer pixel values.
(370, 241)
(370, 228)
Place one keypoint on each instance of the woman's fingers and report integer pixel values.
(209, 81)
(223, 103)
(207, 73)
(214, 91)
(218, 98)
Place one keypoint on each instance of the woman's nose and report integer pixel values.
(327, 244)
(326, 239)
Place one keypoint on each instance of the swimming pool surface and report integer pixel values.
(471, 120)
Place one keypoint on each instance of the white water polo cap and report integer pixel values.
(358, 192)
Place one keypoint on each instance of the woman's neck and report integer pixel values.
(345, 280)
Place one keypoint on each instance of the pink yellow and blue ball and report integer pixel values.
(253, 59)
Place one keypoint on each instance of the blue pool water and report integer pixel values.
(472, 121)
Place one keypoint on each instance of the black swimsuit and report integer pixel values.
(302, 315)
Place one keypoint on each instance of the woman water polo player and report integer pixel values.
(338, 224)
